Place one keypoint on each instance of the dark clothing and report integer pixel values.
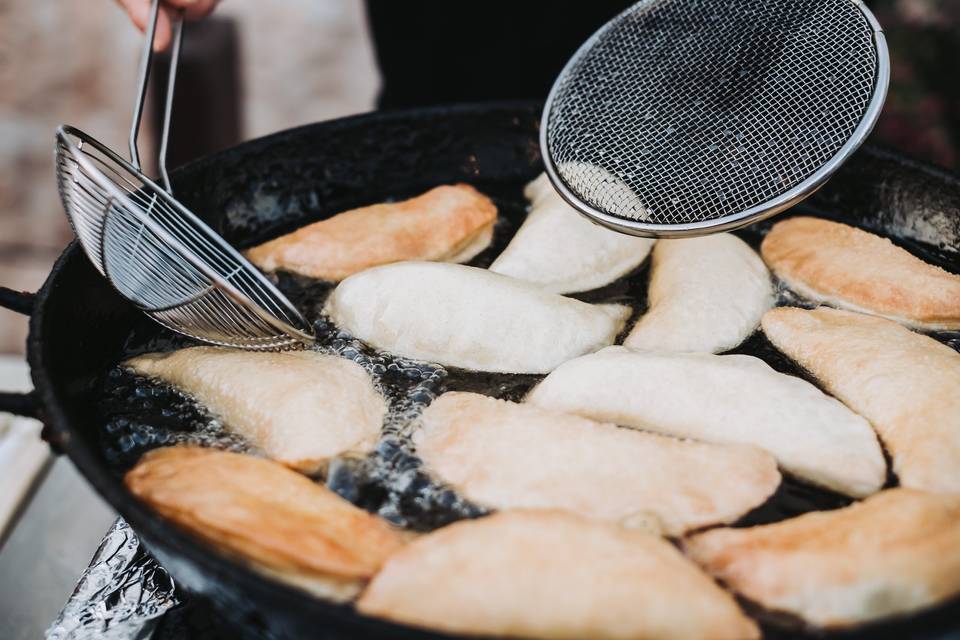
(436, 52)
(433, 52)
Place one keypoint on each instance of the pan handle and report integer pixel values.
(22, 404)
(19, 301)
(19, 404)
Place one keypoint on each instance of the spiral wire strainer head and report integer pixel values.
(686, 117)
(157, 253)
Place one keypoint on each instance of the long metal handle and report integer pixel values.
(146, 62)
(168, 104)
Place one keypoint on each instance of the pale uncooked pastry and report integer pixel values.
(561, 251)
(603, 190)
(847, 267)
(471, 318)
(550, 574)
(726, 399)
(706, 294)
(507, 455)
(448, 223)
(906, 384)
(299, 407)
(895, 553)
(283, 523)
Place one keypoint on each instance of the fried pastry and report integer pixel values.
(278, 520)
(448, 223)
(468, 317)
(847, 267)
(723, 399)
(550, 574)
(561, 251)
(706, 294)
(895, 553)
(507, 455)
(906, 384)
(299, 407)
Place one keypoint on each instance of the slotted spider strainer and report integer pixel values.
(686, 117)
(157, 253)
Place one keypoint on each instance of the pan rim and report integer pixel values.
(60, 428)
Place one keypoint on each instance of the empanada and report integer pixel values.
(561, 251)
(706, 294)
(895, 553)
(468, 317)
(507, 455)
(906, 384)
(549, 574)
(281, 522)
(299, 407)
(850, 268)
(448, 223)
(725, 399)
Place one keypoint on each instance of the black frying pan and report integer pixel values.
(272, 185)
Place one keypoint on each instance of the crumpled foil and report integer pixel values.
(121, 595)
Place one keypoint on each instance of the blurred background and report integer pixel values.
(257, 67)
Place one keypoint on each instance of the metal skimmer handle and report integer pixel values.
(146, 63)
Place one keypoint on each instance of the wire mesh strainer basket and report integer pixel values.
(157, 253)
(685, 117)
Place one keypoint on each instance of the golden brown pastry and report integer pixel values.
(550, 574)
(850, 268)
(280, 521)
(906, 384)
(896, 552)
(508, 455)
(299, 407)
(451, 223)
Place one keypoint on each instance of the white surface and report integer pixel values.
(22, 453)
(50, 546)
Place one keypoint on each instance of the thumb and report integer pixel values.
(194, 9)
(139, 12)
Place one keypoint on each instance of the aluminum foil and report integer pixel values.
(120, 596)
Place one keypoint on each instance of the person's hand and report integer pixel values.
(139, 12)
